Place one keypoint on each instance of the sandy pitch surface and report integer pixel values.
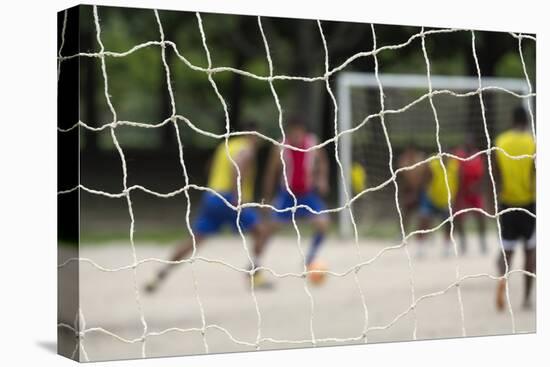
(108, 299)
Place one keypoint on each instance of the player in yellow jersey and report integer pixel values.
(359, 178)
(516, 179)
(434, 200)
(214, 212)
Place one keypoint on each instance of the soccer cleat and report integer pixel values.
(501, 294)
(259, 281)
(151, 287)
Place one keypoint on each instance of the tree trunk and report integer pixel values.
(165, 106)
(235, 98)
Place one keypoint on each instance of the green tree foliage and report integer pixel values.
(138, 87)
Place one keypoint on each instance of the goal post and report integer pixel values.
(350, 114)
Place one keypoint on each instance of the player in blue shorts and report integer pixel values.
(307, 175)
(214, 213)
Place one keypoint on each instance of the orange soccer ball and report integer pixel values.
(317, 277)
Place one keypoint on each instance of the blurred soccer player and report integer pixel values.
(307, 174)
(470, 192)
(434, 200)
(411, 182)
(516, 178)
(214, 213)
(359, 178)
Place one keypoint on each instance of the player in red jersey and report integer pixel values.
(470, 193)
(307, 176)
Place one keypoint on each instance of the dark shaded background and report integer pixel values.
(138, 91)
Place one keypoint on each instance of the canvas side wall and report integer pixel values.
(68, 216)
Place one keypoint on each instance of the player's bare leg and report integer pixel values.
(424, 224)
(409, 203)
(447, 243)
(260, 234)
(180, 253)
(321, 224)
(530, 266)
(501, 286)
(480, 219)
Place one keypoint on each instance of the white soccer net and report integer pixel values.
(388, 108)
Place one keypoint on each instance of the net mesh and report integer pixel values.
(387, 112)
(459, 120)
